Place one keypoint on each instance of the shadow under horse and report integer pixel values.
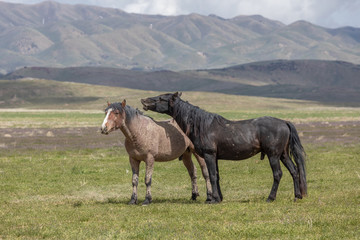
(215, 137)
(149, 141)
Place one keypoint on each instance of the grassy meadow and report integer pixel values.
(81, 192)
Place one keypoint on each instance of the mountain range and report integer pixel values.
(51, 34)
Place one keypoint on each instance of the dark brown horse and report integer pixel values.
(149, 141)
(215, 137)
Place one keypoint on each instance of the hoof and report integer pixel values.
(208, 198)
(213, 200)
(270, 200)
(133, 202)
(146, 202)
(297, 198)
(194, 196)
(217, 200)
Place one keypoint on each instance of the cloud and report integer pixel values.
(164, 7)
(329, 13)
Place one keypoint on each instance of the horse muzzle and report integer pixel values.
(144, 104)
(104, 131)
(147, 105)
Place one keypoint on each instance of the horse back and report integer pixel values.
(237, 140)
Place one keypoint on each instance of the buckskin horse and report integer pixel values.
(149, 141)
(215, 137)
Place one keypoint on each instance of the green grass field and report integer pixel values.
(81, 192)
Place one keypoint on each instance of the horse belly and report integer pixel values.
(168, 152)
(237, 153)
(171, 144)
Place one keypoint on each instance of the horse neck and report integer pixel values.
(130, 128)
(194, 121)
(127, 131)
(180, 114)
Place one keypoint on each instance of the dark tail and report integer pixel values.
(297, 153)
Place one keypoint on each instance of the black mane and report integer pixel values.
(194, 120)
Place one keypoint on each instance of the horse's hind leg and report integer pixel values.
(277, 174)
(218, 179)
(148, 177)
(294, 173)
(205, 174)
(135, 179)
(192, 172)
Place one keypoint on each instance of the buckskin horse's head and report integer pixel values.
(161, 103)
(114, 117)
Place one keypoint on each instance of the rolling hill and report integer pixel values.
(32, 94)
(324, 81)
(60, 35)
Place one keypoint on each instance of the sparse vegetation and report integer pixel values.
(71, 182)
(83, 194)
(38, 109)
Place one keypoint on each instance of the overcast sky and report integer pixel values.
(327, 13)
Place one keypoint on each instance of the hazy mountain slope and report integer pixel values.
(298, 72)
(257, 23)
(53, 34)
(327, 81)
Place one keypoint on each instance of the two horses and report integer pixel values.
(149, 141)
(215, 137)
(208, 136)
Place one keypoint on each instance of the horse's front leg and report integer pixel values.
(211, 163)
(135, 165)
(205, 174)
(148, 177)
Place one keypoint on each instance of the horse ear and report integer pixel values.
(177, 94)
(123, 104)
(108, 103)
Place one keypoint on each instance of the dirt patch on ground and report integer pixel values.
(345, 132)
(342, 132)
(58, 138)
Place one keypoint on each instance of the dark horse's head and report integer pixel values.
(162, 103)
